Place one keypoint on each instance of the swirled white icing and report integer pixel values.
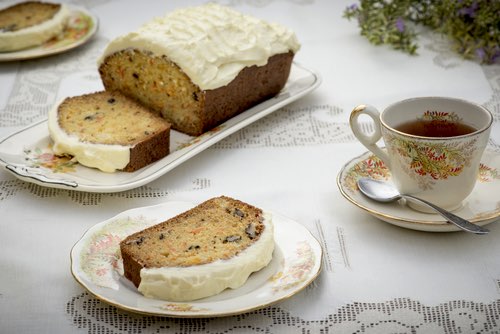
(34, 35)
(210, 43)
(195, 282)
(107, 158)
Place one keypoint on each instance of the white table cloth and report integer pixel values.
(376, 277)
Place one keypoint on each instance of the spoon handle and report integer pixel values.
(456, 220)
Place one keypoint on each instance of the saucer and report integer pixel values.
(480, 207)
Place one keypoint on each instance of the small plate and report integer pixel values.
(96, 264)
(82, 25)
(481, 207)
(28, 154)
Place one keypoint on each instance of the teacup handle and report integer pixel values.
(368, 140)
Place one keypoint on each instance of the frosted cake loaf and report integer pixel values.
(200, 66)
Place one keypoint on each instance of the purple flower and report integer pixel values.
(490, 57)
(496, 56)
(400, 24)
(469, 11)
(352, 7)
(480, 53)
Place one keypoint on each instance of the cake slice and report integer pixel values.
(108, 131)
(199, 253)
(199, 66)
(30, 23)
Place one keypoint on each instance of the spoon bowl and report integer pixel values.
(384, 192)
(378, 190)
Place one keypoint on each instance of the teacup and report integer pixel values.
(433, 146)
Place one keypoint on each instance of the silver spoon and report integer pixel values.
(383, 192)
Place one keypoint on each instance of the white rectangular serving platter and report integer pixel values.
(22, 152)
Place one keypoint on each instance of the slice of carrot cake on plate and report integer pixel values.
(31, 23)
(201, 252)
(108, 131)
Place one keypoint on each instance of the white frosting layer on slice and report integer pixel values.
(107, 158)
(34, 35)
(195, 282)
(210, 43)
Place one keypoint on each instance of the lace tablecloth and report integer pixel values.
(376, 277)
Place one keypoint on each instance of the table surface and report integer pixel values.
(376, 277)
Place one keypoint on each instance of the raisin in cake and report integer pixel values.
(199, 253)
(108, 131)
(200, 66)
(31, 23)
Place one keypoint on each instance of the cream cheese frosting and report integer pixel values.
(107, 158)
(195, 282)
(34, 35)
(210, 43)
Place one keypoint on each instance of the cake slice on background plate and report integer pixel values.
(31, 23)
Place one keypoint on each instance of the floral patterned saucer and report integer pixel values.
(96, 264)
(82, 25)
(481, 207)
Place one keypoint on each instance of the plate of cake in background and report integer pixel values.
(166, 99)
(218, 258)
(35, 29)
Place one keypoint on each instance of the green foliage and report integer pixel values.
(473, 26)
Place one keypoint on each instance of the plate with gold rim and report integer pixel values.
(480, 207)
(96, 264)
(28, 155)
(82, 25)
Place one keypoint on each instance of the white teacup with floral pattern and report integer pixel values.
(441, 170)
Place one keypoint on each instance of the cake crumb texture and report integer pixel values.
(158, 83)
(108, 118)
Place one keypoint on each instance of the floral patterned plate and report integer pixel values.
(82, 25)
(481, 207)
(96, 264)
(27, 153)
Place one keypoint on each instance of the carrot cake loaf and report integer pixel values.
(30, 23)
(108, 131)
(199, 253)
(199, 66)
